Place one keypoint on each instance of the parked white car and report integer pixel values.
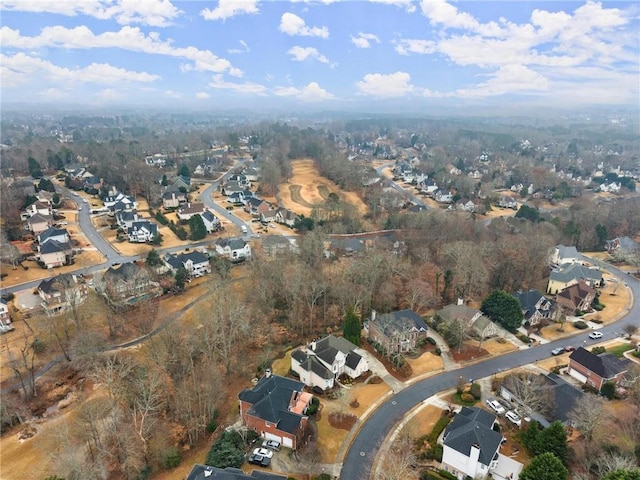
(263, 452)
(496, 406)
(514, 418)
(595, 335)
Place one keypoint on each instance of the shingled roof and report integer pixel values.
(270, 400)
(472, 427)
(605, 365)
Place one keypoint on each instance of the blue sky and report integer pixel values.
(325, 54)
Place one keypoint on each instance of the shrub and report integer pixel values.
(315, 401)
(476, 391)
(172, 458)
(608, 390)
(438, 428)
(438, 351)
(599, 307)
(312, 409)
(354, 403)
(598, 350)
(467, 398)
(580, 325)
(323, 476)
(227, 451)
(161, 218)
(447, 475)
(211, 426)
(434, 453)
(7, 297)
(431, 340)
(597, 320)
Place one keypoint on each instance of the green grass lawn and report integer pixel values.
(619, 350)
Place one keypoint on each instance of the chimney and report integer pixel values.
(460, 301)
(267, 373)
(373, 315)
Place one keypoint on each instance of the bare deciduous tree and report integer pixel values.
(531, 392)
(587, 415)
(398, 462)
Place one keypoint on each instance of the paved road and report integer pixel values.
(362, 452)
(398, 188)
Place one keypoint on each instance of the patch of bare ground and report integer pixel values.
(307, 191)
(427, 362)
(343, 421)
(468, 353)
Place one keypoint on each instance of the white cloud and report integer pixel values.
(21, 68)
(109, 95)
(408, 46)
(310, 93)
(202, 95)
(408, 5)
(230, 8)
(244, 49)
(154, 13)
(292, 24)
(51, 94)
(301, 54)
(173, 94)
(396, 84)
(246, 87)
(128, 38)
(363, 40)
(508, 79)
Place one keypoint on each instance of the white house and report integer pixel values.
(5, 319)
(211, 222)
(58, 234)
(562, 254)
(471, 447)
(195, 263)
(322, 361)
(235, 249)
(189, 210)
(142, 232)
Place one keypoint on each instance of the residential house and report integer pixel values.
(157, 159)
(61, 293)
(508, 202)
(576, 297)
(276, 245)
(189, 210)
(43, 208)
(195, 263)
(171, 199)
(235, 249)
(346, 246)
(128, 284)
(53, 253)
(58, 234)
(471, 319)
(206, 472)
(613, 187)
(560, 397)
(117, 201)
(93, 183)
(443, 196)
(198, 171)
(230, 188)
(125, 220)
(256, 206)
(5, 318)
(465, 205)
(428, 186)
(143, 231)
(286, 217)
(535, 306)
(397, 332)
(236, 198)
(622, 245)
(595, 370)
(252, 174)
(268, 216)
(241, 180)
(565, 255)
(122, 206)
(275, 409)
(38, 223)
(211, 222)
(471, 446)
(323, 361)
(569, 274)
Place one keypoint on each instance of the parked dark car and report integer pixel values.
(259, 460)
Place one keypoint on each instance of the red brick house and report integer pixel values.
(594, 369)
(576, 297)
(275, 408)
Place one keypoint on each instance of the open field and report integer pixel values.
(426, 363)
(307, 189)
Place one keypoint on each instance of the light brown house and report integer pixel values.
(397, 332)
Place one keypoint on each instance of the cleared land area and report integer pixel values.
(308, 189)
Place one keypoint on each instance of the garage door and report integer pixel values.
(287, 442)
(271, 436)
(577, 375)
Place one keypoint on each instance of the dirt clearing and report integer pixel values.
(308, 189)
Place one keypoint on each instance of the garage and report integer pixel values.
(287, 442)
(271, 436)
(577, 375)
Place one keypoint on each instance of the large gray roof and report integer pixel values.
(472, 427)
(400, 321)
(605, 365)
(575, 271)
(270, 400)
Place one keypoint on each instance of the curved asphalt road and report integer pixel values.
(362, 452)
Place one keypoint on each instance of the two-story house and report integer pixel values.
(128, 284)
(235, 249)
(275, 408)
(143, 231)
(286, 217)
(397, 332)
(595, 370)
(322, 361)
(562, 254)
(471, 447)
(576, 297)
(188, 210)
(535, 306)
(211, 222)
(38, 223)
(61, 293)
(569, 274)
(195, 263)
(5, 318)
